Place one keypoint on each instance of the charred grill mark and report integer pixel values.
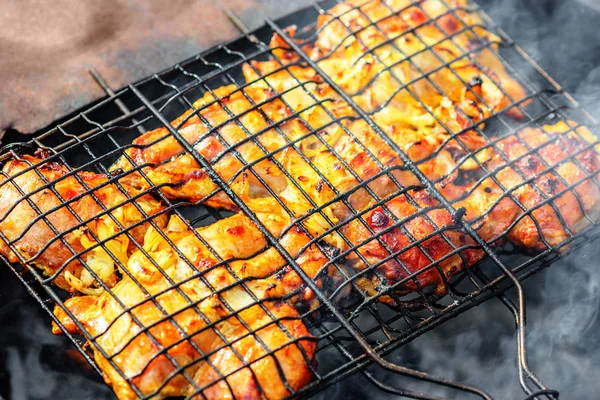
(532, 163)
(475, 81)
(319, 185)
(378, 219)
(455, 152)
(464, 177)
(474, 42)
(330, 251)
(282, 272)
(552, 185)
(460, 213)
(572, 143)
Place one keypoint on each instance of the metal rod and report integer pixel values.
(107, 89)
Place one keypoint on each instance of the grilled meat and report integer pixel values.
(365, 65)
(519, 194)
(230, 120)
(409, 244)
(201, 312)
(171, 290)
(426, 91)
(167, 162)
(51, 190)
(376, 49)
(520, 191)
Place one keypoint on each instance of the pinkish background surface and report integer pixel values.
(47, 47)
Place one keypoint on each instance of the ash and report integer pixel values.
(478, 347)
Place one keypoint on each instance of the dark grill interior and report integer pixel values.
(354, 330)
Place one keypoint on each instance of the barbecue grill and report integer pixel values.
(356, 330)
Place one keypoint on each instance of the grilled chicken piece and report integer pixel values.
(211, 341)
(427, 100)
(387, 238)
(264, 187)
(360, 64)
(408, 246)
(528, 201)
(423, 130)
(230, 121)
(23, 190)
(170, 165)
(414, 129)
(238, 240)
(438, 52)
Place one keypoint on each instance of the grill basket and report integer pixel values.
(351, 332)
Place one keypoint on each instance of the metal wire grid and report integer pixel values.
(544, 96)
(201, 74)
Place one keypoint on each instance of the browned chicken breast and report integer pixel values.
(51, 190)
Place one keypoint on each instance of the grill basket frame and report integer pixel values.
(150, 102)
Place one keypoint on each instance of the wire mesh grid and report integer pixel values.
(359, 314)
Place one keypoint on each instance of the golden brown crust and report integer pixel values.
(187, 335)
(18, 216)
